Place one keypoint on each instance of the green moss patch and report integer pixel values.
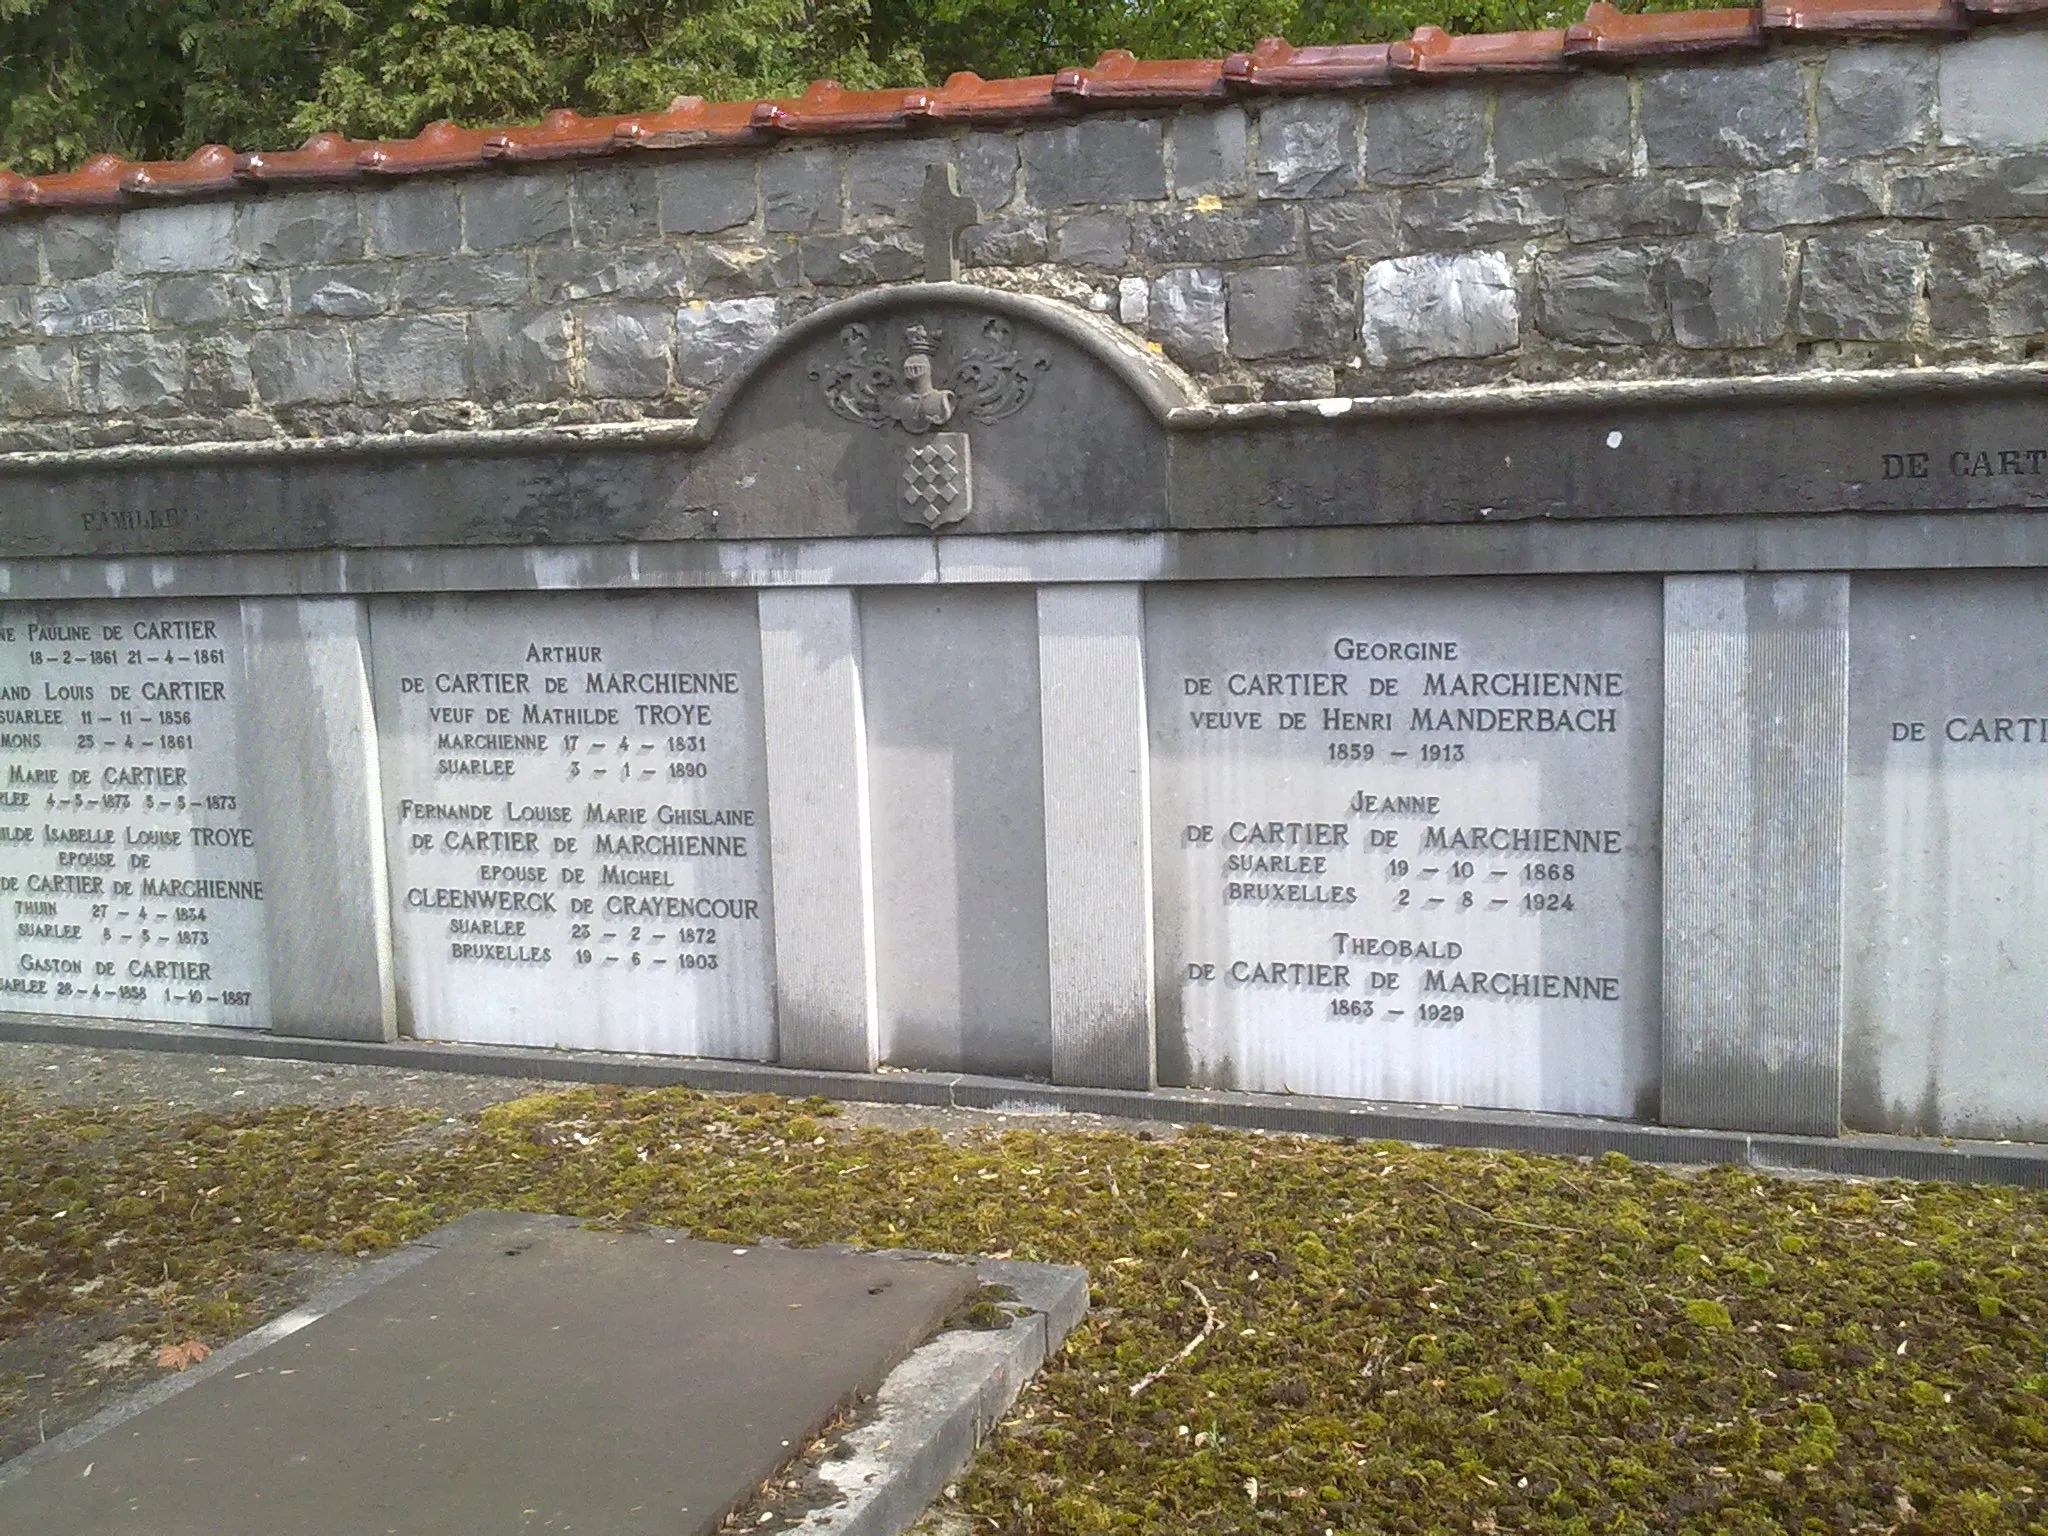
(1397, 1340)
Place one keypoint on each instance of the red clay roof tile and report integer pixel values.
(1116, 79)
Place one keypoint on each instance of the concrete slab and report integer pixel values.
(523, 1375)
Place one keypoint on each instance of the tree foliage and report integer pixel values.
(157, 78)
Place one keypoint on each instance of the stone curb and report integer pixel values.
(1856, 1156)
(926, 1420)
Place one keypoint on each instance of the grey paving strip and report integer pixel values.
(1859, 1156)
(588, 1380)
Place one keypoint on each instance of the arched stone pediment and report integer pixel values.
(935, 408)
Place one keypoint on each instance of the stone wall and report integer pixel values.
(1805, 207)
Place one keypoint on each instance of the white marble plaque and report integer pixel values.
(1946, 855)
(577, 820)
(127, 863)
(1406, 839)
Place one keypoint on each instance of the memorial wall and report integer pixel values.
(1433, 573)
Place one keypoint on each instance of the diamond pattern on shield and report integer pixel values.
(937, 480)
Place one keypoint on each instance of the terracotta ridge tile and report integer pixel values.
(441, 146)
(1860, 16)
(210, 168)
(827, 107)
(1277, 65)
(1120, 76)
(94, 184)
(1433, 51)
(1999, 10)
(967, 98)
(561, 135)
(689, 121)
(1607, 33)
(324, 157)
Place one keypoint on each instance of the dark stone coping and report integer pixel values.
(1854, 1155)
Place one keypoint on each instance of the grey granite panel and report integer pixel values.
(1098, 833)
(1947, 855)
(575, 808)
(817, 746)
(311, 792)
(131, 852)
(958, 797)
(1405, 839)
(1755, 742)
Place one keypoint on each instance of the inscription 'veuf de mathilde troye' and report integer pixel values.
(576, 812)
(1408, 838)
(127, 868)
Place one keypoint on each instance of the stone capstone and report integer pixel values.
(715, 338)
(1416, 309)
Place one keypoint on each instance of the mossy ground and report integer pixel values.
(1404, 1340)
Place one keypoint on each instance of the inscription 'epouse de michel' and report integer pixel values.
(579, 842)
(1403, 865)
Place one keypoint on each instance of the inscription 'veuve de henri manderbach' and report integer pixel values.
(128, 873)
(575, 816)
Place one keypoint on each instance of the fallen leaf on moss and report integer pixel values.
(175, 1357)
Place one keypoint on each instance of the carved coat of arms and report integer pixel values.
(987, 381)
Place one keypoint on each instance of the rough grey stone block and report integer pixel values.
(988, 169)
(1991, 91)
(1101, 160)
(299, 229)
(200, 300)
(341, 293)
(414, 218)
(21, 258)
(1015, 242)
(217, 376)
(520, 354)
(1301, 381)
(1857, 287)
(1623, 210)
(91, 305)
(626, 351)
(1186, 315)
(1209, 150)
(1438, 134)
(498, 211)
(1573, 128)
(1287, 311)
(38, 380)
(133, 372)
(615, 204)
(1730, 292)
(412, 359)
(562, 274)
(1093, 240)
(1365, 227)
(463, 282)
(1736, 114)
(1225, 234)
(1875, 99)
(1985, 282)
(887, 180)
(1599, 298)
(176, 237)
(1826, 194)
(301, 367)
(255, 295)
(715, 338)
(725, 272)
(886, 256)
(2010, 187)
(77, 245)
(1308, 148)
(17, 311)
(702, 197)
(1436, 217)
(800, 191)
(1415, 309)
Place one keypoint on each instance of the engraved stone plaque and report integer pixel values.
(1405, 837)
(1946, 855)
(576, 820)
(127, 862)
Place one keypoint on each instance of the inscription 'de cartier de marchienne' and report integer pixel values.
(1410, 841)
(578, 828)
(127, 872)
